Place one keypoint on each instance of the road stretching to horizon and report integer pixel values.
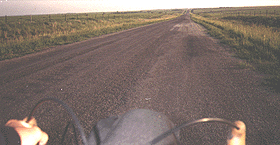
(172, 67)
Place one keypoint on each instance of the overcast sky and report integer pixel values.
(27, 7)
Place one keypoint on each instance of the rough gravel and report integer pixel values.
(172, 67)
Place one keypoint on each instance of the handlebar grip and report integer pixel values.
(32, 121)
(237, 137)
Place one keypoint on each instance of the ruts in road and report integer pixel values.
(172, 67)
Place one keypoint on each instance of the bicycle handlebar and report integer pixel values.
(238, 134)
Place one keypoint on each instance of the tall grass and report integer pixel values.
(23, 35)
(235, 11)
(258, 43)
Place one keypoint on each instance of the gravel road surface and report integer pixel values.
(172, 67)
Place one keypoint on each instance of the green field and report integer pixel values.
(252, 33)
(21, 35)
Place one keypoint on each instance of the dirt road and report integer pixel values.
(172, 67)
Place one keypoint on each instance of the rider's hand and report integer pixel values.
(30, 133)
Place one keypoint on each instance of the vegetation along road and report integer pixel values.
(172, 67)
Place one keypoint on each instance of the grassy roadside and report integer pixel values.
(258, 44)
(24, 35)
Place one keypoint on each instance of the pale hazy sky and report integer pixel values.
(27, 7)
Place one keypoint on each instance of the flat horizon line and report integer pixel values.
(135, 10)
